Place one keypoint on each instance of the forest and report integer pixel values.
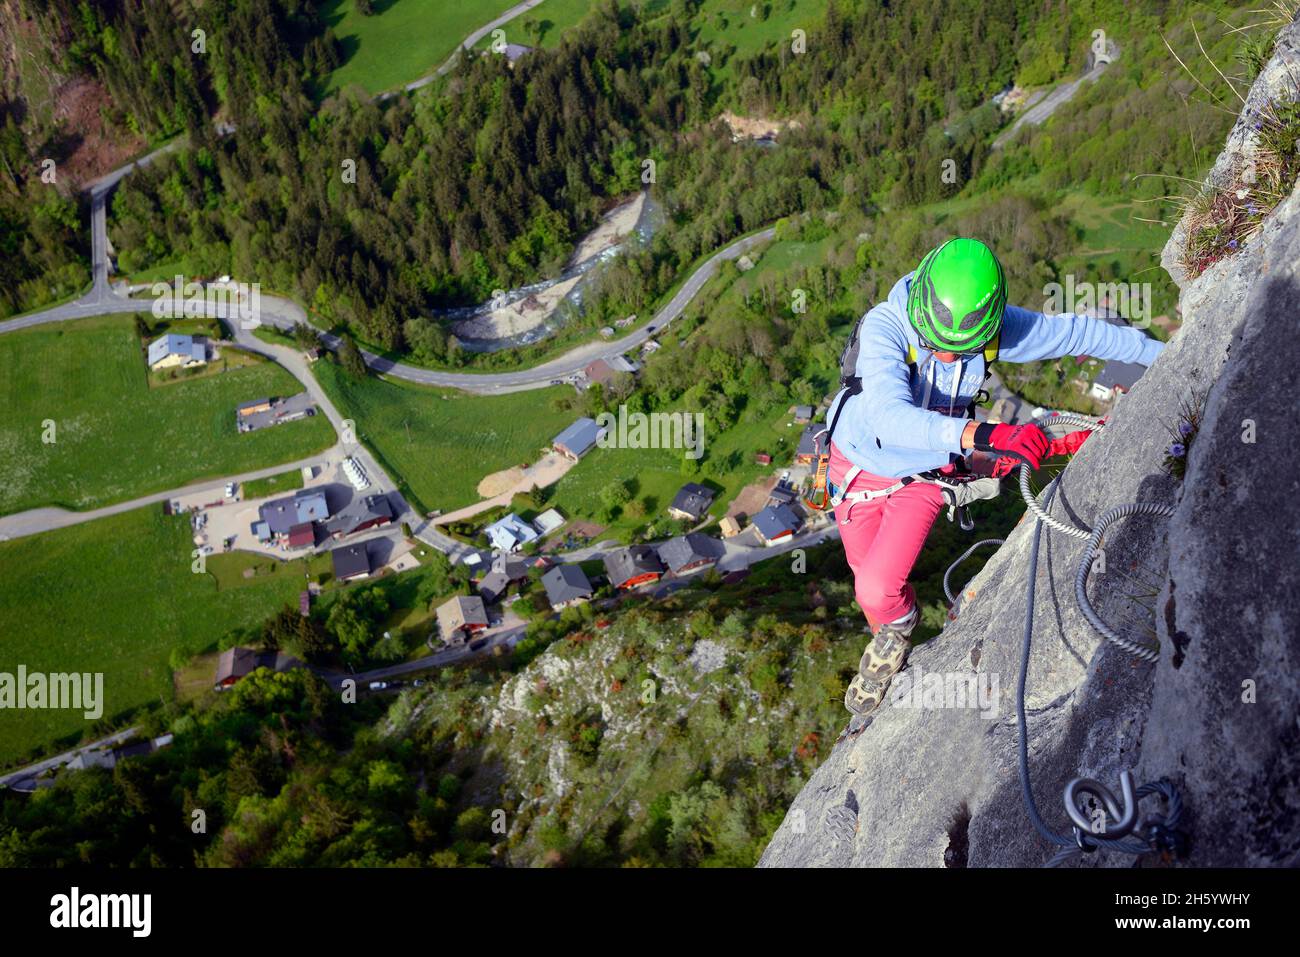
(358, 208)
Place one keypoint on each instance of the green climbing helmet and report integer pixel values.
(957, 297)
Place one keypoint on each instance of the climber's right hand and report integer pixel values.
(1021, 443)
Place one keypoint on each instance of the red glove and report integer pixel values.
(1014, 444)
(1069, 444)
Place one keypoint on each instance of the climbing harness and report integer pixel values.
(958, 491)
(818, 497)
(1115, 826)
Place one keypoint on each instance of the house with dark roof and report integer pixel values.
(633, 566)
(351, 562)
(803, 414)
(566, 585)
(174, 350)
(578, 439)
(505, 571)
(237, 663)
(690, 552)
(691, 503)
(363, 512)
(1115, 377)
(282, 514)
(783, 493)
(460, 617)
(807, 449)
(776, 523)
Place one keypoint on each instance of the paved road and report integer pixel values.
(572, 361)
(10, 778)
(506, 634)
(1037, 114)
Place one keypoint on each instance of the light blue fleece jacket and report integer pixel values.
(903, 422)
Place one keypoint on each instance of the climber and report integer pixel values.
(903, 425)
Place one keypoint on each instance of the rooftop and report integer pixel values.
(579, 437)
(775, 520)
(565, 583)
(350, 560)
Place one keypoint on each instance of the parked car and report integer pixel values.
(378, 685)
(230, 489)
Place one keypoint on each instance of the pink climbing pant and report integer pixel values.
(882, 538)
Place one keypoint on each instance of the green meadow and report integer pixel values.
(403, 40)
(114, 437)
(438, 443)
(115, 595)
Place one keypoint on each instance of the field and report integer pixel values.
(552, 18)
(438, 442)
(117, 439)
(729, 23)
(274, 485)
(115, 596)
(403, 40)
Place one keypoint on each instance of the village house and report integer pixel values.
(460, 617)
(807, 450)
(237, 663)
(1115, 378)
(729, 526)
(351, 562)
(290, 520)
(776, 524)
(803, 414)
(362, 513)
(690, 552)
(566, 585)
(509, 533)
(578, 439)
(633, 566)
(505, 571)
(604, 370)
(174, 350)
(691, 503)
(783, 493)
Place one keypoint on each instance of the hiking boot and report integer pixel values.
(880, 662)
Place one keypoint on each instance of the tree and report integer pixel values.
(305, 336)
(350, 358)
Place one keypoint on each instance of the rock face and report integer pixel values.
(1217, 714)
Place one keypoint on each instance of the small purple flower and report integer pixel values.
(1185, 429)
(1177, 450)
(1232, 244)
(1252, 209)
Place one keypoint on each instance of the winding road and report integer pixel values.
(1037, 114)
(284, 314)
